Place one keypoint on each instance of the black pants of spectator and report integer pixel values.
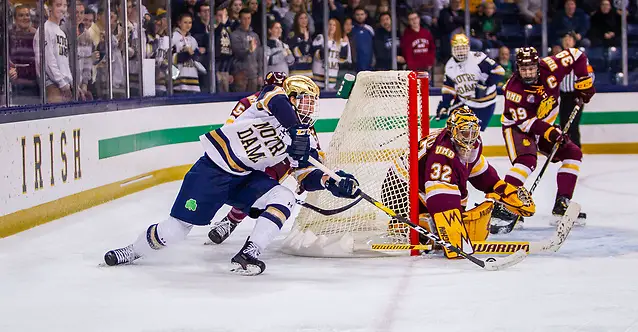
(567, 104)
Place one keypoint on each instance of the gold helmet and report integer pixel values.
(306, 94)
(464, 127)
(460, 47)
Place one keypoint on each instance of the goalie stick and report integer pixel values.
(504, 229)
(490, 264)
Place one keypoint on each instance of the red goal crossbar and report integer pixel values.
(418, 116)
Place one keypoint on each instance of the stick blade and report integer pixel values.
(505, 262)
(564, 226)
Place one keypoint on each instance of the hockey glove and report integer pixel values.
(348, 187)
(554, 135)
(585, 89)
(480, 91)
(442, 112)
(299, 148)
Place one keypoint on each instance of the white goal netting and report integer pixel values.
(372, 133)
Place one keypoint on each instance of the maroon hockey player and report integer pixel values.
(531, 97)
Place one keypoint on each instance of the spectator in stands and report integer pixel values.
(487, 26)
(233, 14)
(417, 45)
(353, 5)
(300, 43)
(428, 10)
(297, 7)
(248, 56)
(134, 53)
(89, 18)
(272, 14)
(281, 7)
(347, 34)
(187, 56)
(24, 84)
(451, 19)
(202, 36)
(181, 7)
(505, 62)
(383, 44)
(223, 50)
(568, 41)
(57, 75)
(159, 44)
(632, 9)
(335, 11)
(82, 52)
(363, 34)
(278, 54)
(605, 26)
(570, 20)
(531, 11)
(338, 53)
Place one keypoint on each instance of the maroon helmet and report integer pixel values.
(527, 63)
(275, 78)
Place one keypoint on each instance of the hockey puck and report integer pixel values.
(491, 259)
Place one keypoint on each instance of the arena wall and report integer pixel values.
(57, 166)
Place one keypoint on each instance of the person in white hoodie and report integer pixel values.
(57, 76)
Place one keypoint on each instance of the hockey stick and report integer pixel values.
(494, 229)
(551, 244)
(489, 264)
(329, 212)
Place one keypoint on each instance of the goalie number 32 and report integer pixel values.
(441, 172)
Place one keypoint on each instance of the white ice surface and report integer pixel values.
(50, 279)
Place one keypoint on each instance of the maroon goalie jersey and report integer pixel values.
(443, 175)
(525, 104)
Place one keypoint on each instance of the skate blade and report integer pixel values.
(251, 270)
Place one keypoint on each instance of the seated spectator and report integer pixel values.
(383, 44)
(24, 84)
(451, 19)
(605, 26)
(300, 43)
(487, 26)
(531, 11)
(571, 20)
(247, 54)
(363, 35)
(632, 9)
(429, 10)
(338, 53)
(475, 6)
(234, 8)
(417, 45)
(568, 41)
(186, 57)
(278, 54)
(335, 11)
(223, 50)
(505, 62)
(297, 7)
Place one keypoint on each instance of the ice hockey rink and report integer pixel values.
(50, 278)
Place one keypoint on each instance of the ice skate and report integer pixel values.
(120, 256)
(221, 230)
(246, 261)
(560, 206)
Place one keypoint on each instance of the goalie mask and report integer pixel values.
(460, 47)
(306, 97)
(464, 128)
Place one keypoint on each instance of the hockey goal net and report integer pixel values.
(380, 124)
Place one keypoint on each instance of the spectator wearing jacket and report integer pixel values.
(571, 20)
(451, 19)
(383, 44)
(363, 34)
(487, 26)
(248, 55)
(24, 89)
(531, 11)
(417, 45)
(278, 54)
(605, 26)
(301, 44)
(338, 53)
(335, 11)
(223, 50)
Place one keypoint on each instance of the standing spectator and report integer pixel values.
(201, 35)
(428, 10)
(295, 8)
(605, 26)
(531, 11)
(383, 44)
(272, 14)
(349, 36)
(451, 19)
(57, 75)
(338, 53)
(300, 43)
(186, 56)
(247, 52)
(223, 51)
(24, 84)
(181, 7)
(278, 54)
(89, 18)
(505, 62)
(159, 51)
(487, 26)
(281, 7)
(570, 20)
(336, 11)
(418, 45)
(82, 52)
(352, 6)
(134, 53)
(233, 14)
(363, 36)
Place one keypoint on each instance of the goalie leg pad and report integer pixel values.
(477, 221)
(450, 227)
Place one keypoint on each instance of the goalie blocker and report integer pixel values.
(448, 159)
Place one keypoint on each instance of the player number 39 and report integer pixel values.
(518, 113)
(441, 172)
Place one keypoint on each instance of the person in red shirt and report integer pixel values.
(417, 45)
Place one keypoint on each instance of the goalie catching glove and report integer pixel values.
(348, 187)
(515, 199)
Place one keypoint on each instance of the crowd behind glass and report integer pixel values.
(115, 49)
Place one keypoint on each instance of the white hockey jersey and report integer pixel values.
(258, 138)
(56, 55)
(463, 78)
